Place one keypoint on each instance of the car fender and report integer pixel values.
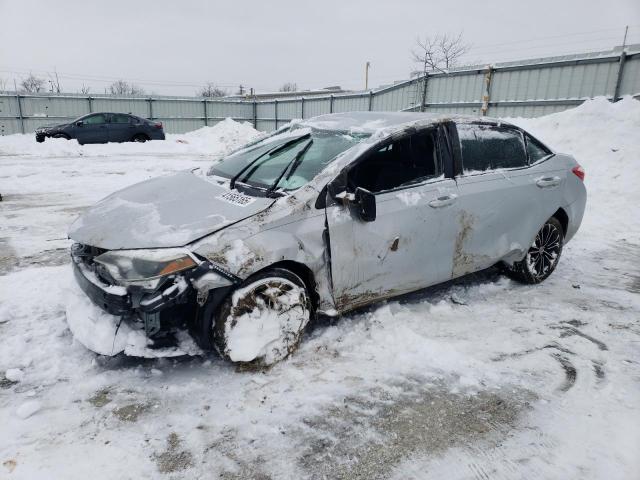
(289, 231)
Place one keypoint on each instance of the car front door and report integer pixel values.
(121, 128)
(409, 245)
(93, 129)
(498, 211)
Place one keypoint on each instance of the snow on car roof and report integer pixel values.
(371, 122)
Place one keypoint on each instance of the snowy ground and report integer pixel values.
(481, 378)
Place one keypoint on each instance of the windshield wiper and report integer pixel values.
(291, 167)
(234, 179)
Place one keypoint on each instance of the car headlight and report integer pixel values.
(145, 267)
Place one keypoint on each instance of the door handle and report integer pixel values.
(546, 182)
(442, 201)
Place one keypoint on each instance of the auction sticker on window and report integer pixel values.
(237, 198)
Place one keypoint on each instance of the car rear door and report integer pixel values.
(121, 128)
(410, 243)
(498, 209)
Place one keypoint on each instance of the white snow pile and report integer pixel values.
(565, 350)
(216, 140)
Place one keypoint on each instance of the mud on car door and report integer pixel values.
(500, 207)
(409, 244)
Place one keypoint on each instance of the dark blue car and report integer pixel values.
(103, 128)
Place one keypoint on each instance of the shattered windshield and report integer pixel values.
(285, 164)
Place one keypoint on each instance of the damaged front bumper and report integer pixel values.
(158, 315)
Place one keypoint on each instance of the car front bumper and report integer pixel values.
(158, 314)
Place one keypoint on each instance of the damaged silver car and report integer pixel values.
(321, 217)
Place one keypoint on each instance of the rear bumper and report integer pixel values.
(157, 135)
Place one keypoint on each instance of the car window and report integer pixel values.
(268, 162)
(535, 150)
(120, 118)
(406, 161)
(486, 147)
(95, 119)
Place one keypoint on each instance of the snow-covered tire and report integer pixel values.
(542, 257)
(262, 321)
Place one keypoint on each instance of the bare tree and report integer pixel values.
(54, 83)
(439, 52)
(85, 89)
(122, 87)
(289, 87)
(3, 84)
(210, 90)
(32, 84)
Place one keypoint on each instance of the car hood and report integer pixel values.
(168, 211)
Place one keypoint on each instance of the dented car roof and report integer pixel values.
(389, 122)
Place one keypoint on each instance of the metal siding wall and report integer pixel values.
(316, 106)
(289, 110)
(183, 125)
(9, 126)
(177, 109)
(135, 106)
(266, 125)
(350, 104)
(267, 110)
(569, 78)
(630, 84)
(8, 106)
(54, 107)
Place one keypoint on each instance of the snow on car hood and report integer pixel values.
(167, 211)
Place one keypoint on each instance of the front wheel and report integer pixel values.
(262, 322)
(542, 257)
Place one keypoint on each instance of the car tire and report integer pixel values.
(140, 138)
(262, 322)
(62, 135)
(542, 257)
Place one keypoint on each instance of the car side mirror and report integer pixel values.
(79, 123)
(365, 203)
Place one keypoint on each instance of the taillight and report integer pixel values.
(158, 124)
(578, 171)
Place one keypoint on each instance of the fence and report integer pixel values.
(528, 88)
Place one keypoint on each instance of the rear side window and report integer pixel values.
(120, 118)
(536, 150)
(487, 147)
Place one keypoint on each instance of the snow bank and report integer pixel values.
(604, 138)
(216, 140)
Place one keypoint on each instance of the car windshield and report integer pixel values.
(287, 163)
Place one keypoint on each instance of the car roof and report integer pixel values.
(370, 122)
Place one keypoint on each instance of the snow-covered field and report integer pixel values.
(481, 378)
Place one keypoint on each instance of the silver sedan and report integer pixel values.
(321, 217)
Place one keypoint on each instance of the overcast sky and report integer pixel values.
(171, 47)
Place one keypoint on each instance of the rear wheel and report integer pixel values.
(262, 322)
(542, 257)
(140, 138)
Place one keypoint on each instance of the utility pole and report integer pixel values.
(624, 40)
(366, 75)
